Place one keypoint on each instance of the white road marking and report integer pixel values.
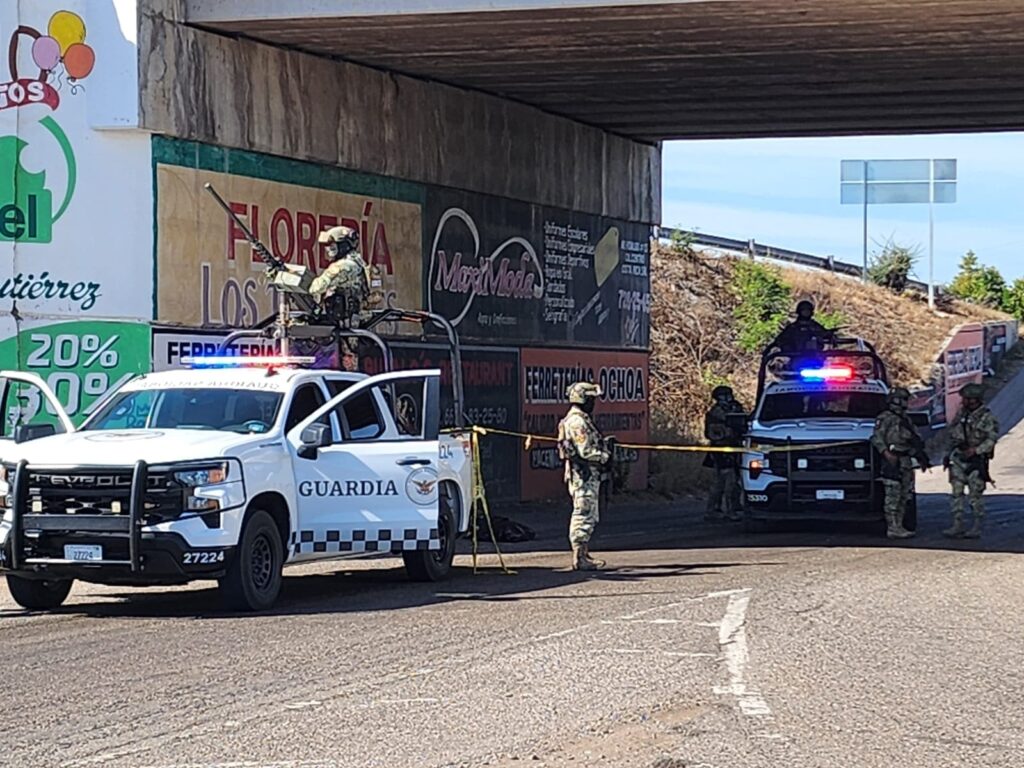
(643, 621)
(211, 722)
(408, 701)
(732, 637)
(302, 704)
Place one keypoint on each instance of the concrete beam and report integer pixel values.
(217, 11)
(238, 93)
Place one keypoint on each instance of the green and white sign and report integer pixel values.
(81, 361)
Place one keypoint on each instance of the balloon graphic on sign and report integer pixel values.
(46, 53)
(79, 60)
(66, 28)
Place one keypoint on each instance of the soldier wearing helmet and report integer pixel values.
(723, 427)
(973, 442)
(896, 439)
(341, 289)
(805, 334)
(585, 453)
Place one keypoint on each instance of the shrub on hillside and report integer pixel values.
(763, 303)
(891, 267)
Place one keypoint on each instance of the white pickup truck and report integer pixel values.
(227, 474)
(818, 414)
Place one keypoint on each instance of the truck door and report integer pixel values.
(28, 409)
(366, 482)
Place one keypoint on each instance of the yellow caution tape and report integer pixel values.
(530, 438)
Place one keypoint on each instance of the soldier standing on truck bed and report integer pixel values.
(722, 429)
(342, 288)
(974, 435)
(896, 439)
(585, 453)
(805, 334)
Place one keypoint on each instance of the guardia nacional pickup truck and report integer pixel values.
(227, 473)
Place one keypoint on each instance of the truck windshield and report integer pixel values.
(228, 410)
(825, 404)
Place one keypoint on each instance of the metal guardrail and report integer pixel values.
(824, 263)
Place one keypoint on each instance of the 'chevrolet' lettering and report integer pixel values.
(347, 488)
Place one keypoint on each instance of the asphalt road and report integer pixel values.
(698, 646)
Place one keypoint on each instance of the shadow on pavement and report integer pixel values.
(388, 589)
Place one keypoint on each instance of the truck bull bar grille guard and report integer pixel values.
(794, 448)
(129, 524)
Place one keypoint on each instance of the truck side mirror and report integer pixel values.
(313, 438)
(25, 432)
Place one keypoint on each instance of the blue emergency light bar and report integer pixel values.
(245, 361)
(828, 373)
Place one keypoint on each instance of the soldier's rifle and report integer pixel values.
(290, 280)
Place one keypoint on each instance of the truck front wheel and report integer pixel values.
(253, 580)
(435, 564)
(38, 594)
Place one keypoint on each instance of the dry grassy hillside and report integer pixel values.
(694, 338)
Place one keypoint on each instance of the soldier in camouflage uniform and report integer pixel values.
(722, 430)
(896, 439)
(342, 288)
(974, 435)
(585, 453)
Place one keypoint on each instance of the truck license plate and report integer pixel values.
(83, 552)
(831, 495)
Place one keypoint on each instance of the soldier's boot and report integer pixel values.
(579, 559)
(893, 528)
(956, 530)
(594, 564)
(904, 533)
(975, 532)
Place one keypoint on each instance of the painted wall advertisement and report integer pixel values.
(510, 271)
(75, 202)
(962, 363)
(622, 411)
(208, 275)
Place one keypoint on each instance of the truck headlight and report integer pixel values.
(214, 475)
(211, 487)
(756, 467)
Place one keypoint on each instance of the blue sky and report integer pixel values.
(785, 192)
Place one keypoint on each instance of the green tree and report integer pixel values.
(978, 283)
(891, 267)
(1013, 301)
(763, 300)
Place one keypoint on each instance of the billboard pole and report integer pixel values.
(864, 272)
(931, 236)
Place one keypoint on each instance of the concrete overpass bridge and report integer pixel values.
(672, 69)
(502, 158)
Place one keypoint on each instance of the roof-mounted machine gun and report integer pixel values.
(291, 281)
(299, 317)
